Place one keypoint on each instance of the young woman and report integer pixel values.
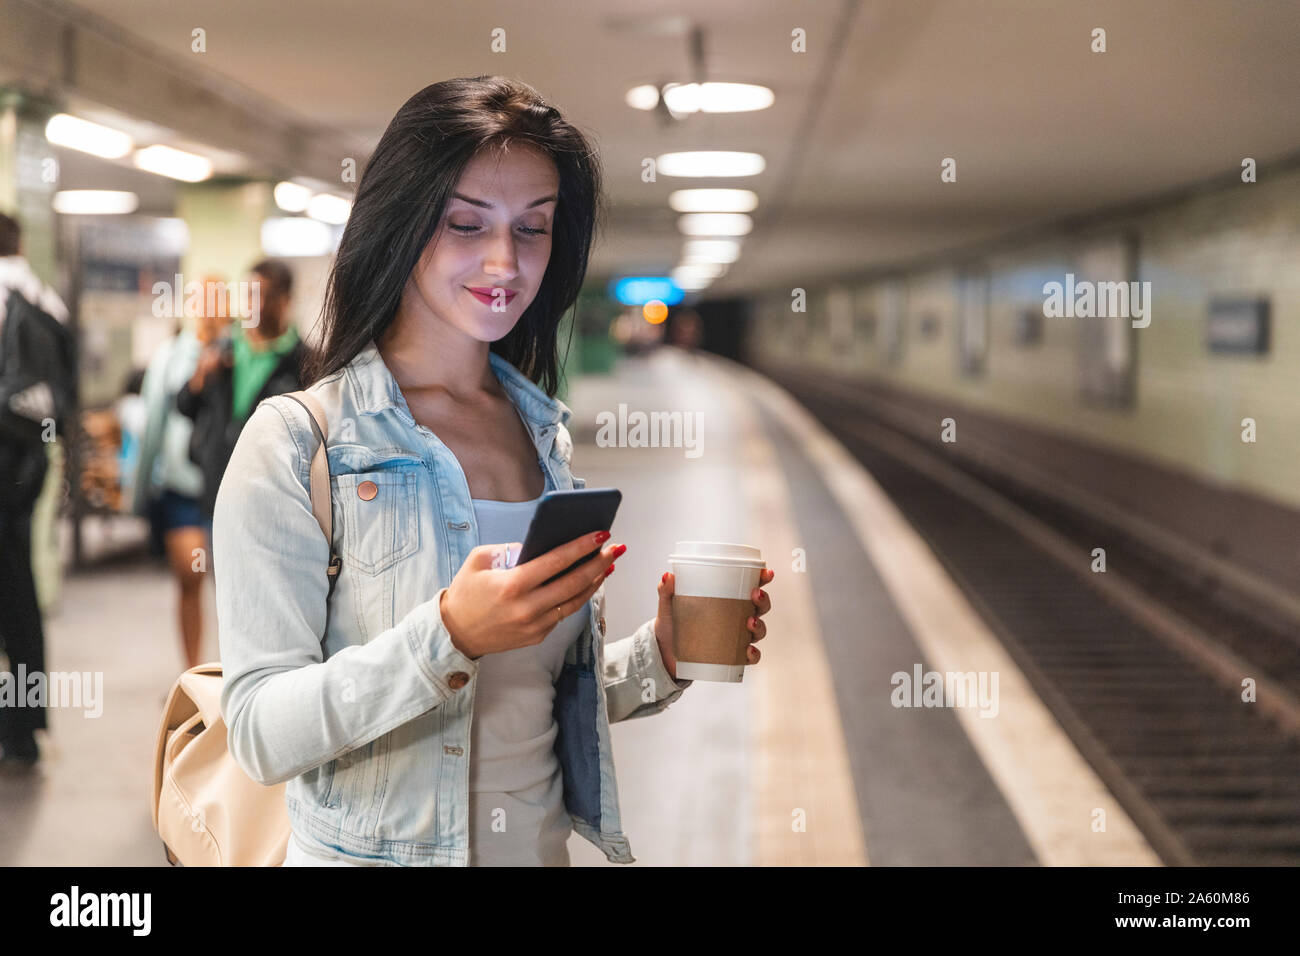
(167, 484)
(440, 707)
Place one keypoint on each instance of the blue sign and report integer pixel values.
(638, 290)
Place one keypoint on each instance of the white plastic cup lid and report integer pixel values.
(717, 552)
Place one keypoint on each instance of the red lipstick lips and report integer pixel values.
(488, 296)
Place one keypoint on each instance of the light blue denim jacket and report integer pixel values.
(360, 701)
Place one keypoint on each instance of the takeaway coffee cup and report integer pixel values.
(711, 606)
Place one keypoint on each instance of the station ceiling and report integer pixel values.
(1041, 127)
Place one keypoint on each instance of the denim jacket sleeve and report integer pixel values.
(287, 709)
(637, 684)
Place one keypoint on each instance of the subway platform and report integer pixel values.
(817, 758)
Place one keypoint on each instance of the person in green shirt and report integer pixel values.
(256, 357)
(262, 359)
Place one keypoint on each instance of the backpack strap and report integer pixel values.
(320, 479)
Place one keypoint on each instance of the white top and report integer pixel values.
(517, 815)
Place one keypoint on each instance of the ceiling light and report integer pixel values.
(713, 200)
(717, 97)
(692, 283)
(291, 197)
(329, 209)
(711, 250)
(293, 236)
(644, 97)
(690, 280)
(714, 224)
(700, 269)
(94, 202)
(704, 162)
(170, 233)
(173, 163)
(88, 137)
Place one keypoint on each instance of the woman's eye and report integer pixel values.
(467, 230)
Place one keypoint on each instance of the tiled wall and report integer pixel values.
(1188, 403)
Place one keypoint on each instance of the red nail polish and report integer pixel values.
(664, 579)
(602, 537)
(618, 552)
(609, 570)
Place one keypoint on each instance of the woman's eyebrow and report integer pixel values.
(487, 205)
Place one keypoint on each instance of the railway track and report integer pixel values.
(1209, 779)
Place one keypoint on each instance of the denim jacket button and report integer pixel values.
(458, 680)
(367, 490)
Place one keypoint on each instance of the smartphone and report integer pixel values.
(562, 516)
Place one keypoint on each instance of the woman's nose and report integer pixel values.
(502, 262)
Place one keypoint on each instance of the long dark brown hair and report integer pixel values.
(404, 189)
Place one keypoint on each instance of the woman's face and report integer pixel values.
(215, 313)
(494, 239)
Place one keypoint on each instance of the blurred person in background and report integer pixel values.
(37, 391)
(235, 373)
(167, 483)
(685, 330)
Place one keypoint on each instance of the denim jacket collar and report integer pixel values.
(377, 389)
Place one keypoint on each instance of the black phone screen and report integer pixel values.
(562, 516)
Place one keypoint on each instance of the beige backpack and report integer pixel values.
(207, 811)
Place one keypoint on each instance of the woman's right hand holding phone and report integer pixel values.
(490, 608)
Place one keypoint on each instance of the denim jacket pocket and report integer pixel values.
(355, 782)
(360, 778)
(380, 517)
(324, 783)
